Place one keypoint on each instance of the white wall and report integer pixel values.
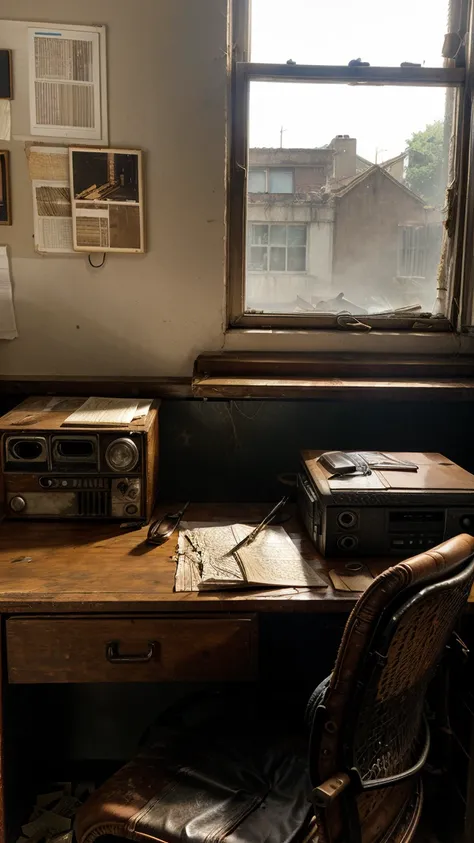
(149, 314)
(267, 289)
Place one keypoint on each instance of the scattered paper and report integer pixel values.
(48, 163)
(47, 822)
(5, 120)
(8, 329)
(347, 581)
(46, 800)
(105, 411)
(52, 217)
(52, 816)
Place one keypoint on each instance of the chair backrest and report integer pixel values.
(371, 725)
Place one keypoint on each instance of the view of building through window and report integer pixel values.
(346, 184)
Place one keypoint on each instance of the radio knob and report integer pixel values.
(18, 504)
(467, 521)
(131, 509)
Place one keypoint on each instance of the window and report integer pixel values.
(340, 154)
(276, 248)
(412, 251)
(270, 181)
(280, 181)
(257, 181)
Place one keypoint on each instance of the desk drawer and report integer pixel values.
(84, 649)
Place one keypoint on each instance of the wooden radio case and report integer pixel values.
(50, 471)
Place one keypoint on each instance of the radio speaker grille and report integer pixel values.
(92, 504)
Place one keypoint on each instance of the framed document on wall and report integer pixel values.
(107, 199)
(5, 204)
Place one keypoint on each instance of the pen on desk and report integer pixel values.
(253, 535)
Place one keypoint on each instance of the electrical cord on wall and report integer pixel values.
(97, 265)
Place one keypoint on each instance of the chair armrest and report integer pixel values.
(377, 784)
(332, 788)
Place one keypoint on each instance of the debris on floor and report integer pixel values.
(52, 817)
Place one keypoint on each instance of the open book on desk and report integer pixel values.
(205, 562)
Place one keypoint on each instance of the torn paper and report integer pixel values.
(5, 120)
(8, 329)
(52, 216)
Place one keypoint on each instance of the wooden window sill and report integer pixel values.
(280, 376)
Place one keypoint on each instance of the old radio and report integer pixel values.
(387, 511)
(56, 472)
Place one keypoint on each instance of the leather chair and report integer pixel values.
(354, 779)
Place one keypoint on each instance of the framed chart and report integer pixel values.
(107, 199)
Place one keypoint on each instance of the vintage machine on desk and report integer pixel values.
(385, 511)
(57, 472)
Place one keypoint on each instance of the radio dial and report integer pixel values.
(122, 455)
(18, 504)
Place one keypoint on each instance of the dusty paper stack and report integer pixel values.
(205, 561)
(109, 412)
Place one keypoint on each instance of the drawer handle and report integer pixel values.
(114, 657)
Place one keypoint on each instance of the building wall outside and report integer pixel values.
(267, 157)
(367, 218)
(265, 290)
(310, 178)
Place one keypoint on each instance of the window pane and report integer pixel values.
(296, 259)
(296, 235)
(257, 181)
(278, 235)
(280, 181)
(370, 171)
(337, 31)
(259, 234)
(258, 259)
(277, 259)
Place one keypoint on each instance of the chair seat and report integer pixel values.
(227, 783)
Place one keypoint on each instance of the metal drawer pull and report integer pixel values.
(113, 655)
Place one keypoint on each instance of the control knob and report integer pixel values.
(18, 504)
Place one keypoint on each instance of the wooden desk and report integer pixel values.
(96, 604)
(99, 568)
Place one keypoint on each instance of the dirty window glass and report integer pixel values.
(352, 216)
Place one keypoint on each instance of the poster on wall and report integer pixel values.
(52, 215)
(107, 199)
(65, 82)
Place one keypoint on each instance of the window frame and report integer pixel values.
(243, 72)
